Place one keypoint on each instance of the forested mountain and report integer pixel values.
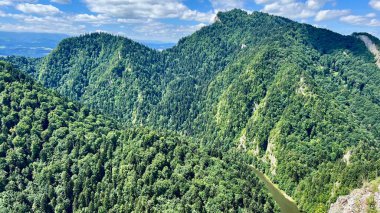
(56, 156)
(303, 100)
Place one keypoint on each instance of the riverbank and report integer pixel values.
(285, 202)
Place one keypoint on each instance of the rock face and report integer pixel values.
(372, 48)
(365, 199)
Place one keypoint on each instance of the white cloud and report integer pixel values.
(304, 9)
(375, 4)
(140, 19)
(132, 21)
(361, 20)
(41, 28)
(371, 15)
(46, 24)
(139, 29)
(293, 8)
(160, 31)
(61, 1)
(262, 1)
(226, 4)
(330, 14)
(41, 9)
(5, 3)
(134, 9)
(93, 19)
(11, 2)
(316, 4)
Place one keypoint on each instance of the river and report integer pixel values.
(286, 203)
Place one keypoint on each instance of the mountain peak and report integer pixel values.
(232, 13)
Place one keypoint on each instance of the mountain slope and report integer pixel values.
(58, 157)
(372, 43)
(304, 100)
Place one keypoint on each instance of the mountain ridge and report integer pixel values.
(297, 97)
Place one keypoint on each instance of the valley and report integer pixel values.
(178, 129)
(286, 204)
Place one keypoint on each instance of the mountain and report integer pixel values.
(57, 156)
(28, 44)
(304, 101)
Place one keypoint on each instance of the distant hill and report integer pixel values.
(41, 44)
(28, 44)
(158, 45)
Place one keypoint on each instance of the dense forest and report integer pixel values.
(300, 103)
(56, 156)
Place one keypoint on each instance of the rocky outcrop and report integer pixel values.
(347, 157)
(365, 199)
(371, 47)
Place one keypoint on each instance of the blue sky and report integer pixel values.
(169, 20)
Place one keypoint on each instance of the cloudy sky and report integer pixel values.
(169, 20)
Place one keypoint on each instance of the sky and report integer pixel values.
(170, 20)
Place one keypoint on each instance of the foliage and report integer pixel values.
(58, 157)
(298, 97)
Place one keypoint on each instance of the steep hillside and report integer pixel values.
(373, 45)
(58, 157)
(304, 100)
(365, 199)
(111, 74)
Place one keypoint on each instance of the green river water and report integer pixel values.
(286, 203)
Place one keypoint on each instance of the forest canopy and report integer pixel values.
(180, 126)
